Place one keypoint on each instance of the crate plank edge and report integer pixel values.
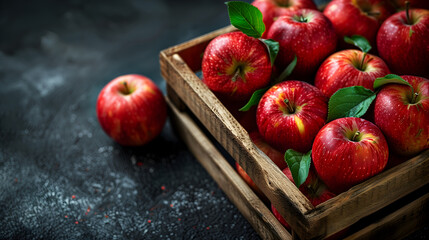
(178, 67)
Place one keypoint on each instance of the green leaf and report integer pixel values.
(299, 165)
(246, 17)
(273, 48)
(350, 102)
(288, 71)
(254, 99)
(359, 42)
(390, 78)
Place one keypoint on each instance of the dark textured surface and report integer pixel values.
(61, 177)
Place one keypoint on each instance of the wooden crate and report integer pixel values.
(179, 65)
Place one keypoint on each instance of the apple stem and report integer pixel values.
(373, 13)
(237, 72)
(363, 59)
(127, 90)
(407, 8)
(357, 133)
(415, 97)
(289, 106)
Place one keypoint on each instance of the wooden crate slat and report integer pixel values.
(398, 224)
(253, 209)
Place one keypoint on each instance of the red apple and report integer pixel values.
(276, 156)
(404, 44)
(348, 151)
(357, 17)
(235, 65)
(272, 9)
(345, 69)
(131, 110)
(404, 118)
(290, 114)
(306, 33)
(313, 188)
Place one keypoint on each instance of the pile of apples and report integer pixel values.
(341, 109)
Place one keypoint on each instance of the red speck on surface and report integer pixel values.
(162, 188)
(179, 219)
(106, 216)
(86, 213)
(73, 196)
(149, 221)
(66, 216)
(171, 205)
(76, 222)
(139, 164)
(89, 209)
(208, 228)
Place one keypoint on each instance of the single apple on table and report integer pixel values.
(272, 9)
(402, 114)
(403, 42)
(357, 17)
(131, 109)
(235, 65)
(290, 114)
(348, 151)
(306, 34)
(349, 68)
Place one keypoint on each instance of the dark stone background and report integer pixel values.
(61, 177)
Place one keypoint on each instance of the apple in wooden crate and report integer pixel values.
(350, 68)
(348, 151)
(290, 114)
(306, 34)
(131, 109)
(357, 17)
(235, 65)
(402, 114)
(403, 42)
(273, 9)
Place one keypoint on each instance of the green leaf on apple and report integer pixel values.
(246, 17)
(359, 41)
(390, 78)
(299, 165)
(287, 72)
(273, 48)
(254, 99)
(350, 102)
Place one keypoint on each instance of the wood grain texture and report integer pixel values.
(253, 209)
(398, 224)
(308, 222)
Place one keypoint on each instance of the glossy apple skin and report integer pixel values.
(313, 188)
(341, 162)
(230, 51)
(405, 125)
(310, 41)
(131, 119)
(406, 53)
(350, 17)
(276, 156)
(272, 9)
(341, 70)
(284, 130)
